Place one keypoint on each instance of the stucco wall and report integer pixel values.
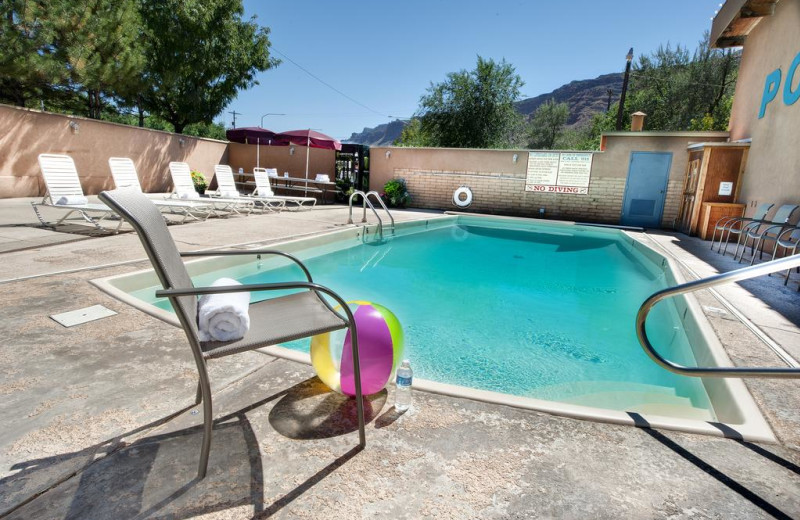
(498, 183)
(772, 173)
(24, 134)
(320, 161)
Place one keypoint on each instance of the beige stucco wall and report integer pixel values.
(319, 161)
(24, 134)
(772, 173)
(498, 183)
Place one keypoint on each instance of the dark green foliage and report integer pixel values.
(199, 54)
(395, 193)
(547, 125)
(165, 64)
(471, 109)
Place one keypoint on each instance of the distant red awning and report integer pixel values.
(310, 137)
(255, 135)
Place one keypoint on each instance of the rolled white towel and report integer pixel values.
(72, 200)
(189, 195)
(223, 317)
(229, 194)
(323, 177)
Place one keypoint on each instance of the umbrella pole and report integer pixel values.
(308, 152)
(258, 153)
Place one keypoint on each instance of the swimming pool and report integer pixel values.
(539, 311)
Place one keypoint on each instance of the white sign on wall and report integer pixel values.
(725, 188)
(554, 172)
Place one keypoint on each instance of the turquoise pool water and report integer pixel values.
(535, 310)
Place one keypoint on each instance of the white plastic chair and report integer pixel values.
(226, 187)
(183, 188)
(263, 189)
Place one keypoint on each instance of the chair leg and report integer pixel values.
(362, 437)
(199, 396)
(208, 423)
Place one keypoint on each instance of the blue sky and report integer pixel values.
(385, 55)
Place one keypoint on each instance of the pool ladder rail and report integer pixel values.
(365, 202)
(792, 371)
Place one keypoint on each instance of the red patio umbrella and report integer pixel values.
(256, 135)
(310, 139)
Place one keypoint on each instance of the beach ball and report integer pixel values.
(380, 345)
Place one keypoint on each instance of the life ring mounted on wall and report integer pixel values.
(466, 200)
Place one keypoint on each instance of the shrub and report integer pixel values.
(395, 193)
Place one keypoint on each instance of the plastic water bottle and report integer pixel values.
(402, 396)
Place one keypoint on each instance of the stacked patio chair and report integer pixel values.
(64, 192)
(304, 313)
(728, 226)
(183, 188)
(124, 173)
(226, 187)
(789, 241)
(765, 232)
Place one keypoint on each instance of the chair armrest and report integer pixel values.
(789, 230)
(774, 226)
(257, 287)
(257, 252)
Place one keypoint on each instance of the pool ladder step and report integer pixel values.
(366, 202)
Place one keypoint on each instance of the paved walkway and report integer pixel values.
(98, 419)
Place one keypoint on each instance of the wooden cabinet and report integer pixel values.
(710, 214)
(713, 175)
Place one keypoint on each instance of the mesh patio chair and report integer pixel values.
(760, 234)
(789, 241)
(125, 176)
(734, 225)
(276, 320)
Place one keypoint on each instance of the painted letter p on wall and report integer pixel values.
(771, 87)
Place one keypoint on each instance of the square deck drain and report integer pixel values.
(72, 318)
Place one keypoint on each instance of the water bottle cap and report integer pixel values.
(406, 363)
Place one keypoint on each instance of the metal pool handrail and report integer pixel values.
(365, 203)
(711, 281)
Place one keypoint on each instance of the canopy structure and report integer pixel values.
(311, 138)
(255, 135)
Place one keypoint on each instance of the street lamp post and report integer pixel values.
(265, 115)
(621, 107)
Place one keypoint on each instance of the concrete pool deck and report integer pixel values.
(98, 422)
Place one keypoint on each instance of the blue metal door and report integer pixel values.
(646, 188)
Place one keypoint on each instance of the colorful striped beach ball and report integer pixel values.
(380, 344)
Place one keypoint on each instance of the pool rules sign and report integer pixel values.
(559, 172)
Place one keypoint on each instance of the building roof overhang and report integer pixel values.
(736, 19)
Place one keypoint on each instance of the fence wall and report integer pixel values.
(498, 182)
(24, 134)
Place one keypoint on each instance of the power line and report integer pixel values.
(328, 84)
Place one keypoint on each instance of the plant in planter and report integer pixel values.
(200, 183)
(395, 193)
(343, 189)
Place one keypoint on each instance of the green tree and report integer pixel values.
(413, 135)
(200, 53)
(547, 124)
(30, 67)
(680, 90)
(100, 44)
(471, 109)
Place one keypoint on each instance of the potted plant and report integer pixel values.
(200, 183)
(395, 193)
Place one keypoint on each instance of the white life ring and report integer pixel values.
(467, 197)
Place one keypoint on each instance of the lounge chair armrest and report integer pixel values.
(258, 252)
(256, 287)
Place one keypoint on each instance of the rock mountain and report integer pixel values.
(585, 98)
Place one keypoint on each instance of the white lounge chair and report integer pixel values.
(64, 192)
(183, 188)
(226, 187)
(263, 189)
(124, 173)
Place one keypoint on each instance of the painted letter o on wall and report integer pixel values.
(791, 96)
